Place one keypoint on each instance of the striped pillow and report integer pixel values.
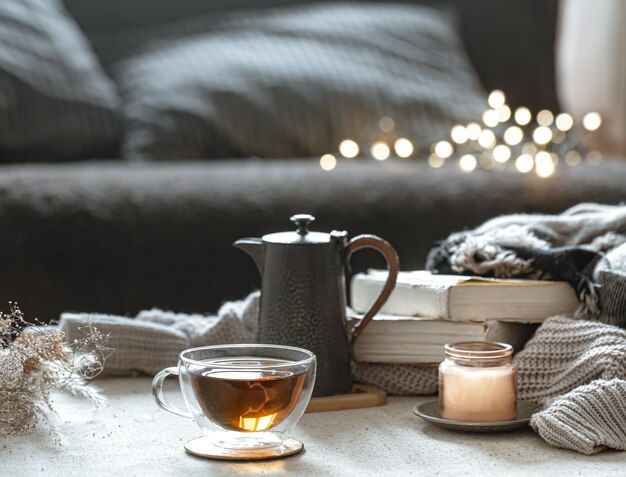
(290, 81)
(56, 102)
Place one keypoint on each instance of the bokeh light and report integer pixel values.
(490, 118)
(513, 135)
(435, 161)
(564, 122)
(544, 164)
(542, 135)
(403, 147)
(496, 99)
(459, 134)
(467, 163)
(572, 158)
(328, 162)
(386, 124)
(487, 138)
(504, 113)
(545, 118)
(501, 153)
(522, 116)
(443, 149)
(348, 148)
(594, 158)
(473, 131)
(380, 151)
(592, 121)
(524, 163)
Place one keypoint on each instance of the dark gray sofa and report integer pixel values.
(116, 237)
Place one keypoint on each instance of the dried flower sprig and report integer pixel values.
(37, 360)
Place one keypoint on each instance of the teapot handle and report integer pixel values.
(393, 264)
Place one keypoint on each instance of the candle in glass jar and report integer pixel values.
(477, 383)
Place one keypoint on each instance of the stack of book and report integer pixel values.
(426, 311)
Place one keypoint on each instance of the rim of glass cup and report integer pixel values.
(311, 356)
(470, 350)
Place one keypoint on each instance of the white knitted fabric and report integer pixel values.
(153, 340)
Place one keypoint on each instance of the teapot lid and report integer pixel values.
(301, 236)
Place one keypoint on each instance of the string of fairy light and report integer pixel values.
(502, 139)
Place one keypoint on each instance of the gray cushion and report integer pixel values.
(56, 102)
(510, 43)
(291, 81)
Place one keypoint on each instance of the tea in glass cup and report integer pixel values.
(244, 397)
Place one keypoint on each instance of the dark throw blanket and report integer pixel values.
(585, 246)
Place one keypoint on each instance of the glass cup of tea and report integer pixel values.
(242, 396)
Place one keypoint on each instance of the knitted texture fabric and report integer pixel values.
(565, 354)
(153, 340)
(573, 246)
(614, 296)
(398, 379)
(588, 419)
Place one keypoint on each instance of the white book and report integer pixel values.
(414, 340)
(465, 298)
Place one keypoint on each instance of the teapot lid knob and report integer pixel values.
(302, 221)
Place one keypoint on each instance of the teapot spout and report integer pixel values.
(255, 248)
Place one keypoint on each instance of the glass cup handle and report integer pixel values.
(157, 393)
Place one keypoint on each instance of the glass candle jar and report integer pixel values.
(477, 382)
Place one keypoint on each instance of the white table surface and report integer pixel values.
(132, 437)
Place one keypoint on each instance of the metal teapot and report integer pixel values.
(303, 295)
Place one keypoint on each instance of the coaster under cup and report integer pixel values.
(203, 447)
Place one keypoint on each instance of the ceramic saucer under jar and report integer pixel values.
(429, 411)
